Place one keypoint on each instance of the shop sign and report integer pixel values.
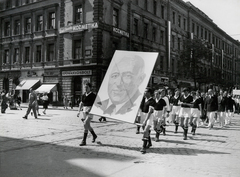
(121, 32)
(79, 27)
(77, 72)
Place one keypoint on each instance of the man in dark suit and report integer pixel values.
(211, 106)
(123, 86)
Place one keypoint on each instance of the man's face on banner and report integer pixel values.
(125, 78)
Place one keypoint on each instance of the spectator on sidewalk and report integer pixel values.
(32, 104)
(45, 100)
(19, 101)
(4, 104)
(65, 101)
(85, 106)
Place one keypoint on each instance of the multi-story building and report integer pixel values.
(61, 44)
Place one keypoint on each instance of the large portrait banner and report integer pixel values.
(123, 86)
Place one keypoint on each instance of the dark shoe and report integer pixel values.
(82, 120)
(143, 150)
(94, 138)
(100, 120)
(137, 132)
(83, 143)
(39, 114)
(31, 113)
(35, 117)
(24, 117)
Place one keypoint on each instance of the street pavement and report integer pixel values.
(49, 147)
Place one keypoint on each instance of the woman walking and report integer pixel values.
(86, 104)
(45, 102)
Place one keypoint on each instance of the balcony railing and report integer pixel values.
(47, 64)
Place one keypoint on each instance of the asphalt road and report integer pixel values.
(49, 147)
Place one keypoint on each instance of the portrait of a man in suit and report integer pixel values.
(122, 88)
(123, 85)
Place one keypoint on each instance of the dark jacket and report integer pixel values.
(211, 103)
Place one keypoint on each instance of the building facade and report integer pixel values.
(70, 42)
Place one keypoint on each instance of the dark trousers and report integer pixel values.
(32, 107)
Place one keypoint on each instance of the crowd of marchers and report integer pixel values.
(183, 108)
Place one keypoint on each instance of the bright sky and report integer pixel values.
(224, 13)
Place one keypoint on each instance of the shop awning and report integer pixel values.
(27, 84)
(46, 88)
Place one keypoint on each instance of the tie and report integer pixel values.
(110, 109)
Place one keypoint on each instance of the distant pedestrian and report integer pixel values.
(65, 101)
(45, 100)
(4, 104)
(85, 106)
(32, 104)
(19, 101)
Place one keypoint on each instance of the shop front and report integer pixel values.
(73, 84)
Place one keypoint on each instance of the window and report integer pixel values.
(78, 14)
(8, 4)
(154, 31)
(179, 43)
(17, 27)
(6, 56)
(28, 25)
(16, 55)
(184, 23)
(193, 28)
(173, 18)
(17, 3)
(161, 37)
(50, 52)
(145, 30)
(27, 1)
(115, 17)
(7, 29)
(135, 26)
(27, 54)
(201, 32)
(179, 21)
(51, 22)
(78, 50)
(39, 26)
(155, 7)
(146, 4)
(161, 62)
(38, 53)
(173, 41)
(197, 31)
(162, 11)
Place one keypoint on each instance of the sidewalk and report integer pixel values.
(49, 146)
(50, 106)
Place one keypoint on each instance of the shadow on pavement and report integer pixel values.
(168, 150)
(21, 158)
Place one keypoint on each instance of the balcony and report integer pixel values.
(51, 32)
(16, 38)
(38, 34)
(6, 40)
(81, 61)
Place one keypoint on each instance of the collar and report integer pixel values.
(88, 93)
